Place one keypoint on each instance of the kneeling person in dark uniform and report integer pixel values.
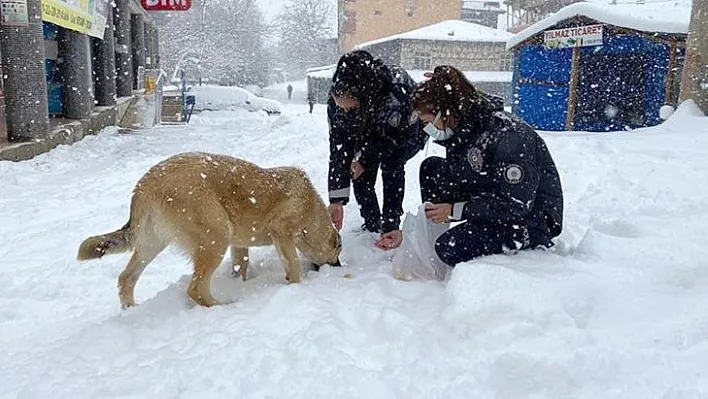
(498, 175)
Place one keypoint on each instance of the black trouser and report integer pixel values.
(468, 240)
(393, 176)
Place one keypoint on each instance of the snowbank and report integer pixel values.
(662, 17)
(450, 30)
(224, 97)
(616, 310)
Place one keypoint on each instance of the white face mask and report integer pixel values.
(436, 133)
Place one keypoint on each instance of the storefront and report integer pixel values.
(594, 67)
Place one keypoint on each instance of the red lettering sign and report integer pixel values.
(166, 5)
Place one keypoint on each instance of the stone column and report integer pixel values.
(124, 57)
(149, 47)
(156, 48)
(137, 29)
(105, 64)
(26, 104)
(75, 70)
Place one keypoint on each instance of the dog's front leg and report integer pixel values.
(288, 255)
(239, 259)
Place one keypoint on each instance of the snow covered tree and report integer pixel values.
(218, 40)
(305, 27)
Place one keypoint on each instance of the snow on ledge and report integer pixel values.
(452, 30)
(649, 17)
(417, 75)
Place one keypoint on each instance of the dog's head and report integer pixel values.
(322, 248)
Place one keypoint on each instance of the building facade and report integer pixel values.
(426, 54)
(483, 12)
(63, 61)
(588, 68)
(365, 20)
(479, 51)
(464, 45)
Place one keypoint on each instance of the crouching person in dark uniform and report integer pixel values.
(369, 113)
(498, 175)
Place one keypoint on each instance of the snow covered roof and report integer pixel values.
(664, 17)
(450, 30)
(417, 75)
(326, 71)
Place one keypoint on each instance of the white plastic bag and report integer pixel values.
(416, 258)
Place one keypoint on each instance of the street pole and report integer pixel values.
(694, 77)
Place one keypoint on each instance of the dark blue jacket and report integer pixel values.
(505, 172)
(378, 131)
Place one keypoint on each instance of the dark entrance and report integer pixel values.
(611, 91)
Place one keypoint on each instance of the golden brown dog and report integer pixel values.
(205, 203)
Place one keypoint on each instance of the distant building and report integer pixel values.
(365, 20)
(482, 12)
(599, 67)
(478, 50)
(464, 45)
(523, 13)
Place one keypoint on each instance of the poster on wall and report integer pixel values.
(14, 13)
(100, 14)
(580, 36)
(78, 15)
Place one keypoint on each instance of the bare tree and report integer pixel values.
(304, 27)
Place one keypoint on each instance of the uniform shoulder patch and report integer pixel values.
(474, 157)
(513, 174)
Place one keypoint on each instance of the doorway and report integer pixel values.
(611, 91)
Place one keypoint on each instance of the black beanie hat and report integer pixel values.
(357, 75)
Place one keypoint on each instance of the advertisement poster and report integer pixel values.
(78, 15)
(100, 14)
(14, 12)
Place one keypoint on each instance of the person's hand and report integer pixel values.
(438, 213)
(356, 169)
(390, 240)
(336, 213)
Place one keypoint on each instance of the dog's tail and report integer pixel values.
(108, 244)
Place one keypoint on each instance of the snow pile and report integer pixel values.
(450, 30)
(616, 310)
(663, 17)
(209, 97)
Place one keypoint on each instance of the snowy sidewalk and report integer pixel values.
(617, 310)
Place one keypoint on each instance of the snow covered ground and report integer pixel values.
(617, 310)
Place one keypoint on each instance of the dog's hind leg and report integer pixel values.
(143, 254)
(239, 258)
(207, 257)
(285, 244)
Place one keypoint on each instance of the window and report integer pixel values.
(411, 7)
(506, 60)
(422, 60)
(349, 25)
